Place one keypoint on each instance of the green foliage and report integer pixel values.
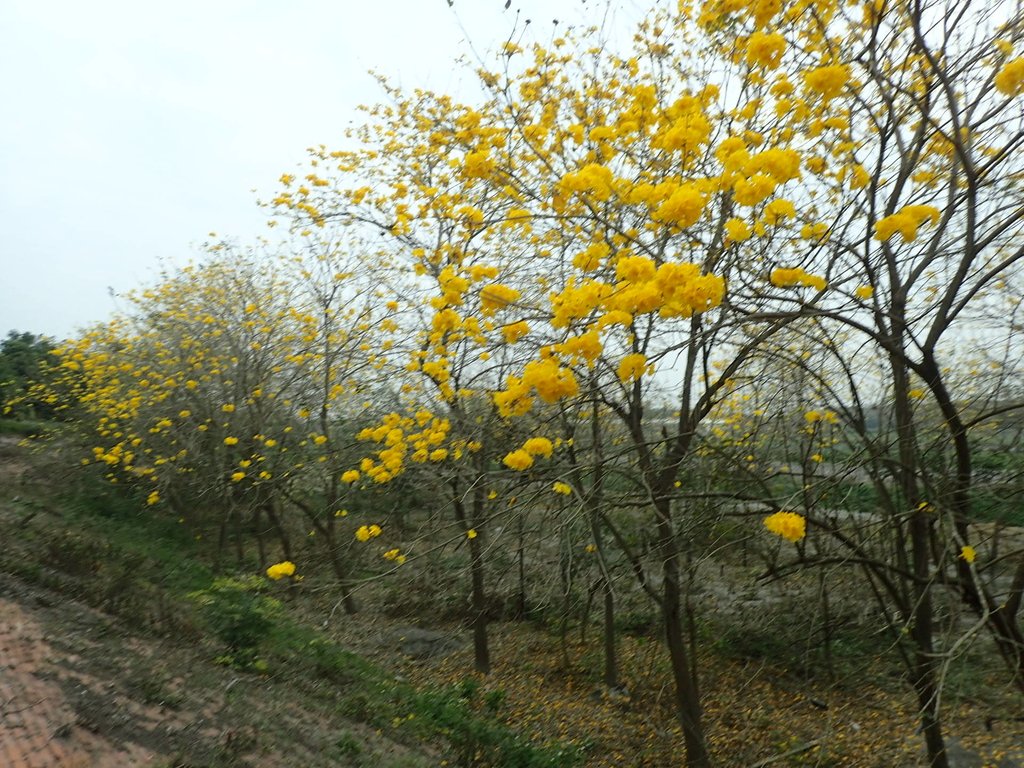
(116, 516)
(639, 623)
(479, 740)
(22, 427)
(296, 645)
(238, 614)
(21, 363)
(347, 747)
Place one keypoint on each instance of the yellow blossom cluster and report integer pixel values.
(478, 165)
(281, 570)
(906, 221)
(1009, 80)
(783, 277)
(496, 296)
(632, 367)
(765, 49)
(549, 380)
(367, 532)
(522, 458)
(828, 417)
(419, 438)
(187, 388)
(671, 289)
(788, 525)
(827, 81)
(592, 179)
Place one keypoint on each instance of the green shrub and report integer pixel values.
(239, 615)
(477, 739)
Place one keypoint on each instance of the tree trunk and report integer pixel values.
(477, 596)
(521, 565)
(261, 549)
(481, 651)
(611, 665)
(282, 534)
(925, 666)
(925, 663)
(348, 602)
(687, 701)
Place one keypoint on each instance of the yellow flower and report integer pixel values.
(737, 230)
(906, 221)
(496, 296)
(782, 277)
(632, 367)
(153, 498)
(367, 532)
(477, 165)
(778, 209)
(788, 525)
(864, 292)
(1010, 79)
(682, 208)
(320, 439)
(765, 49)
(280, 570)
(967, 553)
(518, 460)
(230, 440)
(827, 81)
(237, 476)
(350, 476)
(538, 446)
(471, 533)
(562, 488)
(228, 408)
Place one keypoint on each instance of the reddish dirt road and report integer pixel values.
(38, 727)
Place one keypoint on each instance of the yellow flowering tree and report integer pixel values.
(224, 392)
(594, 210)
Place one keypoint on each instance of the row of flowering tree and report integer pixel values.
(637, 230)
(752, 243)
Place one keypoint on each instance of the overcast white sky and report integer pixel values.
(130, 130)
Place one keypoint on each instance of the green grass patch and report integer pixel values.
(102, 544)
(23, 427)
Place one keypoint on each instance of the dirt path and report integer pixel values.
(39, 728)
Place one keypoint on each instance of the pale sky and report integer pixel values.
(130, 130)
